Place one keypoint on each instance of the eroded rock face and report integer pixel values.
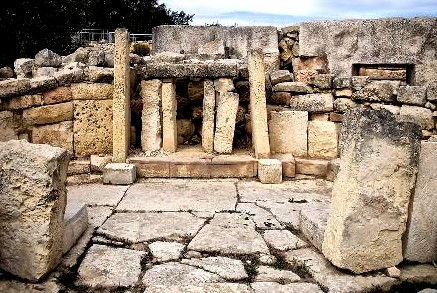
(370, 197)
(33, 199)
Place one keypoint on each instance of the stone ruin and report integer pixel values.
(257, 102)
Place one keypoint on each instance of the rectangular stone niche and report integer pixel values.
(401, 72)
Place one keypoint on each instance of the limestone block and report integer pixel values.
(92, 127)
(119, 174)
(76, 222)
(43, 83)
(151, 117)
(420, 242)
(169, 126)
(270, 171)
(288, 164)
(294, 87)
(280, 98)
(60, 135)
(48, 114)
(322, 139)
(58, 95)
(33, 200)
(92, 91)
(77, 167)
(208, 116)
(422, 115)
(314, 167)
(227, 108)
(288, 132)
(380, 91)
(223, 85)
(14, 87)
(280, 76)
(46, 57)
(322, 81)
(10, 125)
(258, 109)
(313, 103)
(343, 93)
(431, 92)
(99, 74)
(23, 67)
(98, 162)
(22, 102)
(343, 104)
(370, 197)
(412, 95)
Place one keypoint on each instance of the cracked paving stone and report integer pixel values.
(229, 233)
(105, 266)
(334, 280)
(227, 268)
(201, 288)
(269, 274)
(189, 195)
(141, 227)
(165, 251)
(262, 218)
(269, 287)
(98, 215)
(174, 273)
(295, 190)
(283, 240)
(96, 194)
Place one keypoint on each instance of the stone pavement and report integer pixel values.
(182, 235)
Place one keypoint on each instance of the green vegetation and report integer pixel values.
(141, 49)
(27, 26)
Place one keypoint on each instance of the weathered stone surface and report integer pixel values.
(174, 273)
(141, 227)
(269, 274)
(6, 72)
(23, 67)
(316, 167)
(431, 92)
(44, 71)
(313, 223)
(262, 218)
(412, 95)
(33, 203)
(322, 139)
(266, 287)
(105, 266)
(60, 135)
(294, 87)
(422, 115)
(119, 174)
(76, 167)
(343, 93)
(281, 76)
(58, 95)
(288, 164)
(165, 251)
(92, 91)
(343, 104)
(314, 103)
(69, 75)
(258, 111)
(97, 194)
(76, 223)
(379, 157)
(224, 85)
(334, 280)
(208, 116)
(43, 83)
(48, 114)
(379, 91)
(92, 127)
(98, 162)
(333, 168)
(288, 132)
(22, 102)
(14, 87)
(10, 125)
(99, 74)
(11, 286)
(227, 268)
(200, 288)
(48, 58)
(280, 98)
(195, 195)
(151, 116)
(229, 234)
(169, 126)
(227, 108)
(422, 273)
(283, 240)
(270, 171)
(420, 241)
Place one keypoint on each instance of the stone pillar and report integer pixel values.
(169, 126)
(121, 99)
(151, 134)
(420, 241)
(32, 205)
(208, 116)
(258, 109)
(227, 108)
(370, 197)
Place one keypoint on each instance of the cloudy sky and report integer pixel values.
(285, 12)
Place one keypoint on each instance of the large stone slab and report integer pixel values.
(48, 114)
(169, 126)
(370, 197)
(92, 127)
(142, 227)
(229, 234)
(313, 103)
(420, 241)
(288, 132)
(200, 288)
(105, 266)
(60, 135)
(322, 139)
(151, 115)
(208, 116)
(33, 199)
(267, 287)
(97, 194)
(227, 268)
(263, 219)
(180, 195)
(227, 108)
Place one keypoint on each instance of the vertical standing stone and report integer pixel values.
(420, 241)
(169, 126)
(288, 132)
(121, 99)
(258, 109)
(151, 116)
(208, 116)
(32, 205)
(227, 108)
(371, 194)
(322, 139)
